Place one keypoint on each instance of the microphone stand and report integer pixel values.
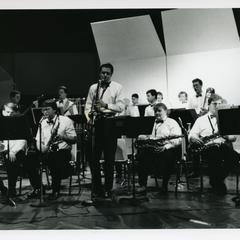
(41, 200)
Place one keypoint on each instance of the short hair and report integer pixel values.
(211, 90)
(107, 65)
(197, 80)
(182, 92)
(11, 105)
(14, 93)
(159, 105)
(153, 92)
(214, 97)
(135, 95)
(63, 88)
(50, 103)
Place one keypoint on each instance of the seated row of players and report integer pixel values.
(57, 137)
(219, 154)
(199, 102)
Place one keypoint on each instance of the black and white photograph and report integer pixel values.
(120, 118)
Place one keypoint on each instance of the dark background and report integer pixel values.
(42, 49)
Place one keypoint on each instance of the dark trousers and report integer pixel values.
(14, 170)
(60, 168)
(31, 166)
(220, 160)
(105, 144)
(156, 163)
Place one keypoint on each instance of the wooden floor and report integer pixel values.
(189, 209)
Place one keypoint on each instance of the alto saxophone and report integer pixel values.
(52, 145)
(208, 142)
(154, 145)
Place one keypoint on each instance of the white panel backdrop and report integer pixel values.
(200, 43)
(132, 45)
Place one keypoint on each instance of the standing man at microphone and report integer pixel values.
(104, 99)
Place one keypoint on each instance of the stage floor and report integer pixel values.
(186, 210)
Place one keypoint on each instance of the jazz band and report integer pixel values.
(56, 137)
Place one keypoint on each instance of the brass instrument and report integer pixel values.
(52, 145)
(155, 145)
(208, 141)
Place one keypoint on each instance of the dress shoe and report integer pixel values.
(35, 194)
(141, 189)
(108, 194)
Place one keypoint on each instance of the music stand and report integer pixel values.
(228, 124)
(14, 128)
(132, 127)
(186, 115)
(141, 109)
(228, 121)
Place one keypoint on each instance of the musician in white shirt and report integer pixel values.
(219, 154)
(132, 109)
(197, 101)
(183, 100)
(57, 136)
(152, 99)
(163, 161)
(107, 101)
(65, 106)
(17, 149)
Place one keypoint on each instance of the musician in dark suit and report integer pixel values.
(218, 152)
(104, 99)
(163, 161)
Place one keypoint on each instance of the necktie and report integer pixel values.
(159, 121)
(60, 101)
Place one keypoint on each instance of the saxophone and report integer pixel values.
(52, 145)
(154, 145)
(208, 142)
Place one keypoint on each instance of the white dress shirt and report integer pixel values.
(196, 103)
(65, 128)
(169, 127)
(15, 145)
(112, 96)
(181, 105)
(133, 111)
(202, 126)
(67, 107)
(149, 110)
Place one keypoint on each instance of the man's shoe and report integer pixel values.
(108, 194)
(34, 194)
(141, 189)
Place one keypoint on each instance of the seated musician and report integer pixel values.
(163, 161)
(57, 136)
(17, 149)
(65, 106)
(218, 152)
